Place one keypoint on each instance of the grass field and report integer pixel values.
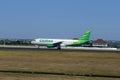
(60, 62)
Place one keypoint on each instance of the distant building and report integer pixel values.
(99, 43)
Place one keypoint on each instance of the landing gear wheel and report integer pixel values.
(59, 48)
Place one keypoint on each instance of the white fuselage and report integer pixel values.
(45, 41)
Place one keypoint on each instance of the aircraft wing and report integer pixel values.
(54, 45)
(58, 43)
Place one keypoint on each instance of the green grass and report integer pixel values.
(61, 62)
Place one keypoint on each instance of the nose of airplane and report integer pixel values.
(32, 42)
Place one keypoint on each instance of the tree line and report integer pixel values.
(15, 42)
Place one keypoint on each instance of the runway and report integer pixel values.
(64, 49)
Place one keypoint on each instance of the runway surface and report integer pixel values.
(81, 49)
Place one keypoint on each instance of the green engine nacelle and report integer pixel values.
(50, 45)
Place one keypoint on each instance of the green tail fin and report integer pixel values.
(86, 36)
(83, 39)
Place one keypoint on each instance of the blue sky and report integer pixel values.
(59, 18)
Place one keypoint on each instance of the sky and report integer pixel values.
(29, 19)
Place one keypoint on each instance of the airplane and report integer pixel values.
(58, 43)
